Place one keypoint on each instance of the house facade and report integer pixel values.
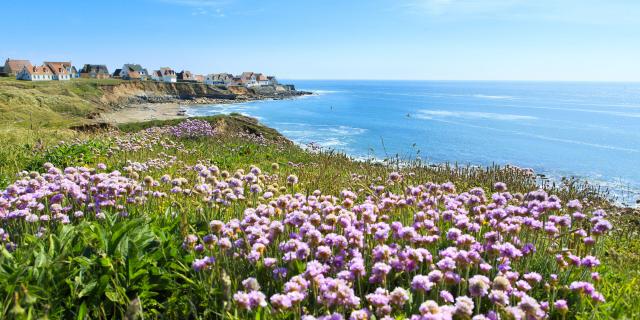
(132, 71)
(165, 75)
(95, 71)
(37, 73)
(186, 75)
(219, 79)
(248, 79)
(12, 66)
(61, 70)
(262, 80)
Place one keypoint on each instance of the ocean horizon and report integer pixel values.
(587, 130)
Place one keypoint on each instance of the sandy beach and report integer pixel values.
(143, 112)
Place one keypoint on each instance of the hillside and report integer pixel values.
(55, 104)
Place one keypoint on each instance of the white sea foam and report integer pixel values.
(431, 114)
(321, 92)
(326, 136)
(494, 97)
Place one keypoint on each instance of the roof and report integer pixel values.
(66, 64)
(134, 67)
(185, 75)
(58, 67)
(167, 71)
(246, 75)
(117, 72)
(14, 66)
(38, 70)
(95, 68)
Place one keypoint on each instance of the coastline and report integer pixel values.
(173, 109)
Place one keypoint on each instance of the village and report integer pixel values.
(63, 71)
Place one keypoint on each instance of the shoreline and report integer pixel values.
(148, 111)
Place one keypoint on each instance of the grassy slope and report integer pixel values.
(48, 104)
(331, 173)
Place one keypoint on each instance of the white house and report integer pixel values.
(60, 70)
(219, 79)
(262, 80)
(165, 75)
(131, 71)
(35, 73)
(248, 79)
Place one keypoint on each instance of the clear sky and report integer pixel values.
(337, 39)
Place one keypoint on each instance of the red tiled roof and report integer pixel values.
(14, 66)
(58, 67)
(39, 70)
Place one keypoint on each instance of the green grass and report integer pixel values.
(103, 267)
(48, 104)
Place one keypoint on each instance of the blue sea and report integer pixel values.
(582, 129)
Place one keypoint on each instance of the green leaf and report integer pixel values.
(113, 296)
(105, 261)
(88, 289)
(82, 311)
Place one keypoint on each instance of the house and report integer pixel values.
(272, 80)
(199, 78)
(165, 75)
(61, 70)
(116, 74)
(219, 79)
(12, 66)
(31, 73)
(74, 73)
(131, 71)
(95, 71)
(262, 80)
(186, 76)
(156, 75)
(248, 79)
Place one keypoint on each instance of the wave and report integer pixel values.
(430, 114)
(326, 136)
(493, 97)
(322, 92)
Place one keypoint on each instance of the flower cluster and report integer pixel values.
(421, 250)
(192, 128)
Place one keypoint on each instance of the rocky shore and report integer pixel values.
(161, 102)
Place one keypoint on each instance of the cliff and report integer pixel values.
(55, 104)
(129, 92)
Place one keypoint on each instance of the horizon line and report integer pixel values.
(464, 80)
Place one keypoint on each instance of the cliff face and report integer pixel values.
(148, 91)
(130, 92)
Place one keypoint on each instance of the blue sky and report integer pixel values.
(338, 39)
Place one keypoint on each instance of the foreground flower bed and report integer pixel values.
(388, 247)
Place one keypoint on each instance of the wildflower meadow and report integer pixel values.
(188, 221)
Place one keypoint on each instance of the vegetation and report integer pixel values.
(158, 237)
(48, 104)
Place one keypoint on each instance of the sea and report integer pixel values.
(587, 130)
